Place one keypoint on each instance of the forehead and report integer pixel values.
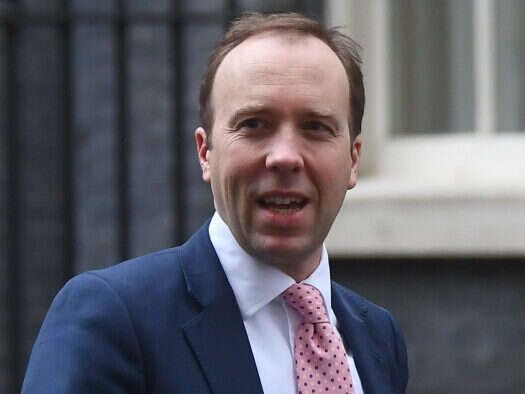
(271, 61)
(265, 47)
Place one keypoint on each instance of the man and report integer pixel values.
(246, 305)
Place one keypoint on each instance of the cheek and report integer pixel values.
(333, 179)
(230, 184)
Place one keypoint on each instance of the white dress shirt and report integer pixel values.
(270, 323)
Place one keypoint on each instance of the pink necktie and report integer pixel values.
(321, 363)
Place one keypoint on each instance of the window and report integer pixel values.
(510, 53)
(444, 132)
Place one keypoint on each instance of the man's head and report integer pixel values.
(252, 24)
(282, 157)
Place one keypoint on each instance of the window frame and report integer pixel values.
(460, 194)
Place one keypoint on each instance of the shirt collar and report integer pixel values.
(255, 284)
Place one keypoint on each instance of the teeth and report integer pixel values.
(282, 200)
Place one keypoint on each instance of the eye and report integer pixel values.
(251, 123)
(316, 125)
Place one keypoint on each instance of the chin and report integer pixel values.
(283, 251)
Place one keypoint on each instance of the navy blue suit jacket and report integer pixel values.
(168, 322)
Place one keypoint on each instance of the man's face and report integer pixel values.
(281, 159)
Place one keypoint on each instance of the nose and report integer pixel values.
(284, 154)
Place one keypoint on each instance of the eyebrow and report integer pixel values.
(251, 110)
(324, 116)
(316, 114)
(247, 111)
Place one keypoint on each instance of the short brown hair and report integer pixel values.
(251, 24)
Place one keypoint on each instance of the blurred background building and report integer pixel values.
(98, 103)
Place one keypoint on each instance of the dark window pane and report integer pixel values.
(510, 77)
(432, 74)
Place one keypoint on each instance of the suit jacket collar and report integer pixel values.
(216, 335)
(352, 316)
(219, 340)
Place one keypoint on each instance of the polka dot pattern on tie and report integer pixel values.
(321, 362)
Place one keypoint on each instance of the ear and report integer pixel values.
(203, 152)
(356, 156)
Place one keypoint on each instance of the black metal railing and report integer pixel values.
(12, 282)
(63, 19)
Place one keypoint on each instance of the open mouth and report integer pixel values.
(283, 205)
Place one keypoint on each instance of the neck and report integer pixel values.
(300, 270)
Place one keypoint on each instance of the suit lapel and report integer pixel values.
(351, 317)
(217, 335)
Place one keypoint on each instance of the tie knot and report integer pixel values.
(308, 301)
